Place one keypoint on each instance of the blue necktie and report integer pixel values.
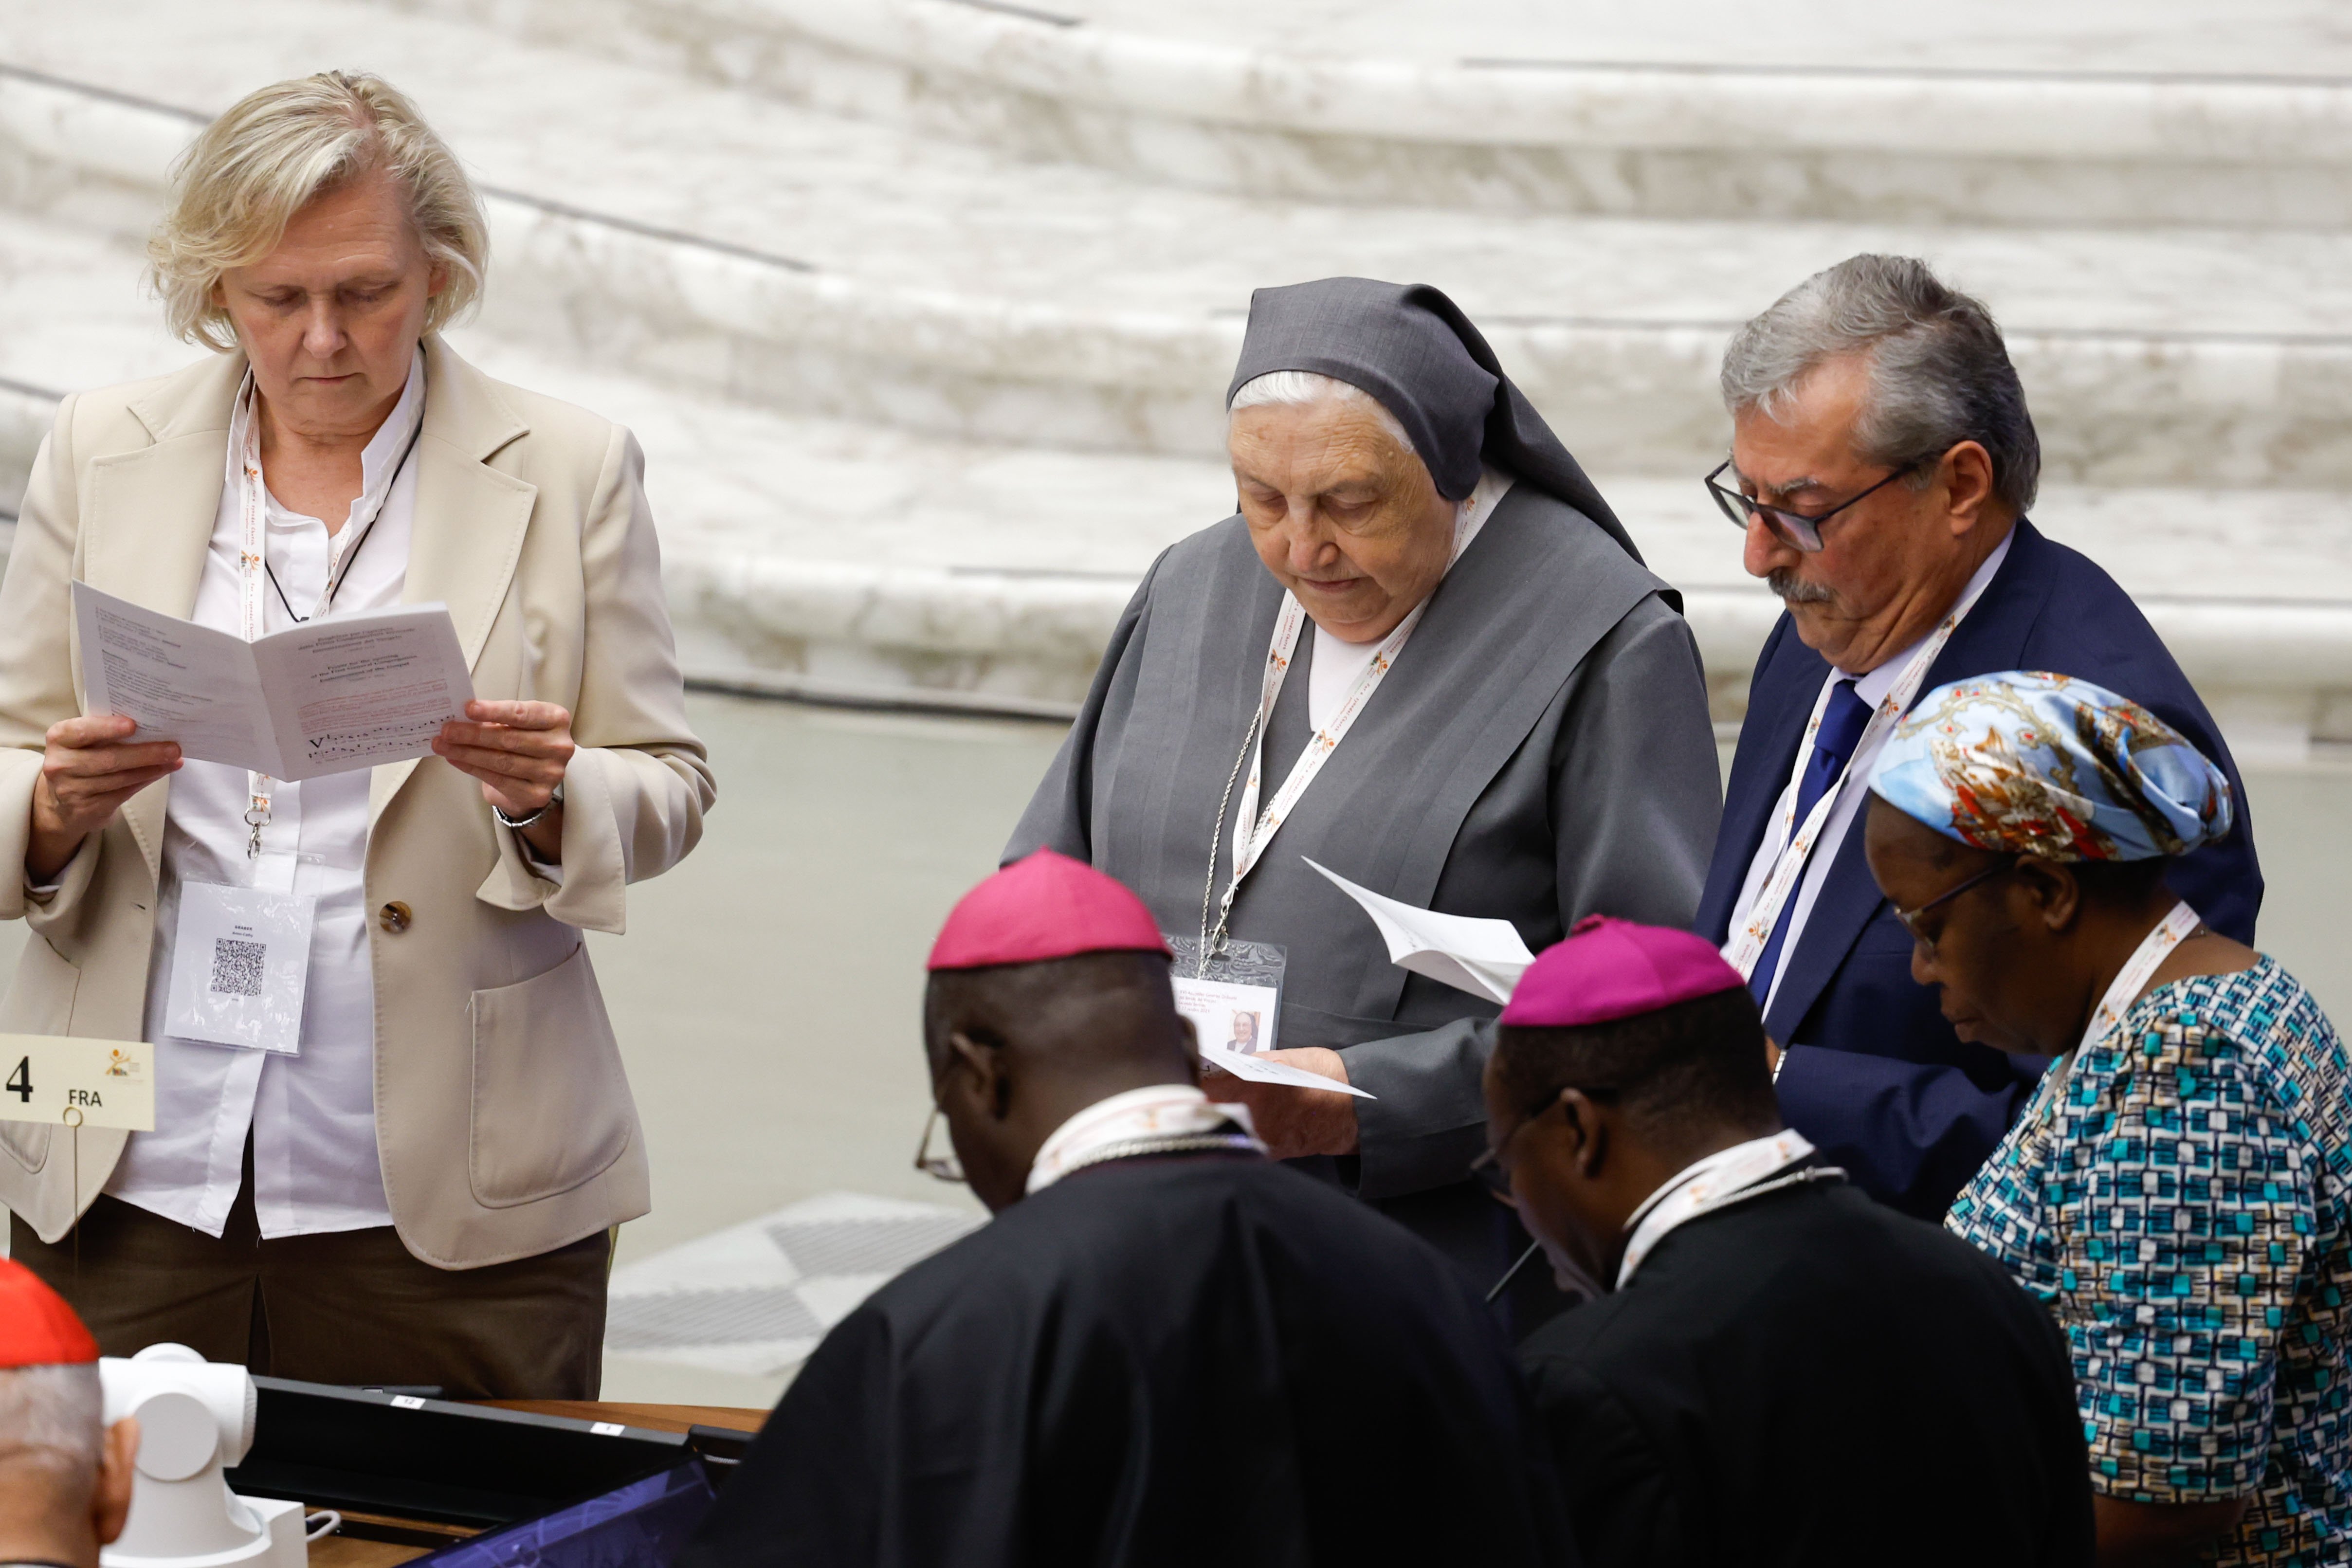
(1842, 726)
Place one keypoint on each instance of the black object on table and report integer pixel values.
(401, 1455)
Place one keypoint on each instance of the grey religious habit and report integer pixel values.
(1539, 752)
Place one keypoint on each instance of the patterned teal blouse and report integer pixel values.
(2182, 1203)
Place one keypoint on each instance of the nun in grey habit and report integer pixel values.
(1538, 751)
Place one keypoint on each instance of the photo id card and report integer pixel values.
(1237, 1002)
(240, 967)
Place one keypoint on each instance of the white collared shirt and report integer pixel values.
(1871, 688)
(1340, 665)
(1707, 1184)
(312, 1116)
(1156, 1111)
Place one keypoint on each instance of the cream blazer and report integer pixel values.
(503, 1119)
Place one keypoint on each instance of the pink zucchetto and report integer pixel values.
(1610, 968)
(1045, 906)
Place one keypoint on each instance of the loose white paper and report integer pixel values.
(1483, 957)
(320, 698)
(1256, 1068)
(240, 967)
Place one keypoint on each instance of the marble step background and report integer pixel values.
(767, 254)
(2001, 110)
(922, 399)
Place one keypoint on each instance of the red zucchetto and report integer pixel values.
(36, 1327)
(1610, 968)
(1044, 906)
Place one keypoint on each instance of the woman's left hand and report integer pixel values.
(519, 750)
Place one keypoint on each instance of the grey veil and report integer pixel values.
(1412, 348)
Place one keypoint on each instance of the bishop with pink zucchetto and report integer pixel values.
(1159, 1328)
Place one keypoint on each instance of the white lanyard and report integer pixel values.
(1135, 1121)
(2039, 1124)
(1250, 841)
(2133, 977)
(1748, 942)
(1733, 1176)
(253, 565)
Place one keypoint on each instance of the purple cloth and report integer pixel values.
(1040, 907)
(1614, 969)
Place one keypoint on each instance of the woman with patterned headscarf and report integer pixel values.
(2175, 1192)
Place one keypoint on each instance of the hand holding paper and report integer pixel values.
(1291, 1124)
(89, 768)
(1483, 957)
(518, 751)
(1258, 1070)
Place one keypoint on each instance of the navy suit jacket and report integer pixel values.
(1874, 1077)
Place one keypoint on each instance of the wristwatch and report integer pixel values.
(553, 801)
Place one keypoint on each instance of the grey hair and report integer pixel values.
(55, 1412)
(245, 176)
(1305, 388)
(1939, 373)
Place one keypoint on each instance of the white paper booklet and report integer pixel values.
(317, 698)
(1483, 957)
(1257, 1069)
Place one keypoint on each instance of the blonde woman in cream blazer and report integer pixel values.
(503, 1128)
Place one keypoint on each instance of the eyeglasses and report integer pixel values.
(939, 1167)
(1488, 1167)
(1792, 529)
(1910, 918)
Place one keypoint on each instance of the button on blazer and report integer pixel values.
(504, 1122)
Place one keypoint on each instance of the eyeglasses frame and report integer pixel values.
(1910, 918)
(1798, 532)
(939, 1167)
(1488, 1167)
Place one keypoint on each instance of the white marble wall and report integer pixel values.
(2149, 396)
(2068, 143)
(919, 412)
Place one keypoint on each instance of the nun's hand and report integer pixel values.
(1295, 1121)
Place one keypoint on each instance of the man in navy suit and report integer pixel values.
(1882, 461)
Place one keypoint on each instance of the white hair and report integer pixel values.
(52, 1414)
(241, 182)
(1306, 388)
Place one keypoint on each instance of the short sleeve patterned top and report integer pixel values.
(2182, 1203)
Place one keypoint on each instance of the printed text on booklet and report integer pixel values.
(320, 698)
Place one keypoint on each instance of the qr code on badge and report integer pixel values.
(236, 966)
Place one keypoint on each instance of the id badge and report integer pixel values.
(240, 967)
(1237, 1002)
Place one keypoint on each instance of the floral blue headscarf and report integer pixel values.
(2047, 766)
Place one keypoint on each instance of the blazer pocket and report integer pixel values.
(40, 1001)
(552, 1107)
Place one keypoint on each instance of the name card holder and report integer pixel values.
(70, 1082)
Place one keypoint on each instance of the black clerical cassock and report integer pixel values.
(1800, 1377)
(1181, 1360)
